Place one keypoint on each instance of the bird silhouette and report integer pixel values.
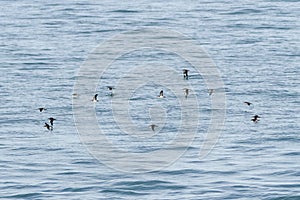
(186, 92)
(50, 128)
(255, 118)
(161, 94)
(110, 88)
(185, 74)
(95, 98)
(248, 103)
(51, 120)
(152, 126)
(42, 109)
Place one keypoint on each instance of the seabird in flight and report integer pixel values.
(95, 98)
(110, 88)
(51, 119)
(185, 74)
(161, 94)
(152, 126)
(42, 109)
(248, 103)
(48, 127)
(255, 118)
(186, 90)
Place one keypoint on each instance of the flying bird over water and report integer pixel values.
(110, 88)
(255, 118)
(42, 109)
(185, 73)
(152, 126)
(248, 103)
(95, 98)
(161, 94)
(186, 91)
(48, 127)
(51, 120)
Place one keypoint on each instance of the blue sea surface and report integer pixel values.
(255, 45)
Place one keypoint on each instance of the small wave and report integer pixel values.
(124, 11)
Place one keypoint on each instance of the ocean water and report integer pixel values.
(255, 46)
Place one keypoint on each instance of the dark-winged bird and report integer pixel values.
(185, 73)
(110, 88)
(152, 126)
(51, 120)
(42, 109)
(161, 94)
(186, 92)
(248, 103)
(48, 127)
(95, 98)
(255, 118)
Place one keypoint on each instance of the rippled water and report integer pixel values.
(255, 45)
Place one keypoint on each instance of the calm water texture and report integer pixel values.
(255, 45)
